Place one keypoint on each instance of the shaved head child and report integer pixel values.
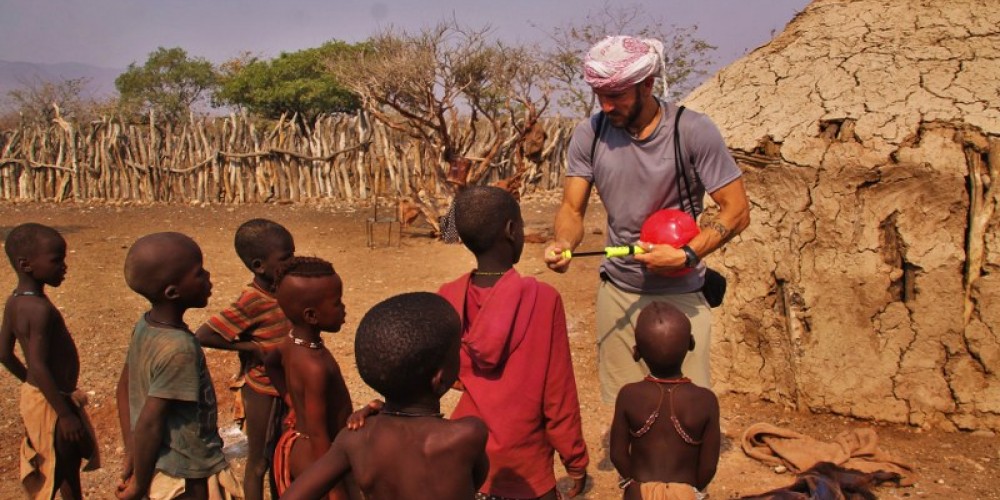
(302, 369)
(516, 371)
(254, 325)
(58, 434)
(166, 401)
(665, 435)
(407, 350)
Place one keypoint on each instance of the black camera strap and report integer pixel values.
(597, 136)
(683, 183)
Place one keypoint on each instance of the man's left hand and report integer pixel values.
(661, 258)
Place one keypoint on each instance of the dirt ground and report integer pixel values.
(100, 311)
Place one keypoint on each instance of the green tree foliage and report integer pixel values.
(294, 82)
(169, 82)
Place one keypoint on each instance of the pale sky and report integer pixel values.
(114, 33)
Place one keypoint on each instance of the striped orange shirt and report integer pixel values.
(256, 316)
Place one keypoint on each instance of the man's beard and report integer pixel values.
(630, 118)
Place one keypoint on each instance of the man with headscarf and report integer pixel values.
(627, 152)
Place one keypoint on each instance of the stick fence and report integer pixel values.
(231, 160)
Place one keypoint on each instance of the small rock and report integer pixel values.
(984, 434)
(940, 481)
(781, 469)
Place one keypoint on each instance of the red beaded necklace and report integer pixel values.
(648, 424)
(677, 380)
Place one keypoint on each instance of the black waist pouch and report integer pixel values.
(715, 287)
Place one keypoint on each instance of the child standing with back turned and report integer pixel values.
(516, 371)
(58, 434)
(254, 326)
(665, 435)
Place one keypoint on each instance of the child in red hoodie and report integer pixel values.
(516, 370)
(516, 373)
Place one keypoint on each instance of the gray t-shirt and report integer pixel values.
(636, 178)
(168, 363)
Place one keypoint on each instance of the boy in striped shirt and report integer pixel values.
(254, 325)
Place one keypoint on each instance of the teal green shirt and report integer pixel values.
(168, 363)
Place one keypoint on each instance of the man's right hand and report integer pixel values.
(554, 256)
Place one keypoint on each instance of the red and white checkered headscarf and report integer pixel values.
(619, 62)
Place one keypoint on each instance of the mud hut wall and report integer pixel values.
(234, 160)
(867, 283)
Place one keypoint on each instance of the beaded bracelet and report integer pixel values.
(624, 483)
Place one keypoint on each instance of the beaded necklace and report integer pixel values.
(318, 344)
(477, 272)
(648, 424)
(411, 414)
(149, 319)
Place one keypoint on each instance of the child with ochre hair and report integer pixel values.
(407, 350)
(302, 369)
(665, 435)
(166, 401)
(58, 434)
(253, 326)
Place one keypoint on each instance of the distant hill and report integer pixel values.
(15, 75)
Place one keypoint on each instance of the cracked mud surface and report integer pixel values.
(868, 283)
(100, 311)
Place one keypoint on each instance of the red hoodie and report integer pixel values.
(518, 378)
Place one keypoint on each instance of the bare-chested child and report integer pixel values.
(665, 434)
(58, 435)
(166, 401)
(254, 325)
(302, 369)
(407, 350)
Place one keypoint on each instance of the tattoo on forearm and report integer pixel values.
(716, 226)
